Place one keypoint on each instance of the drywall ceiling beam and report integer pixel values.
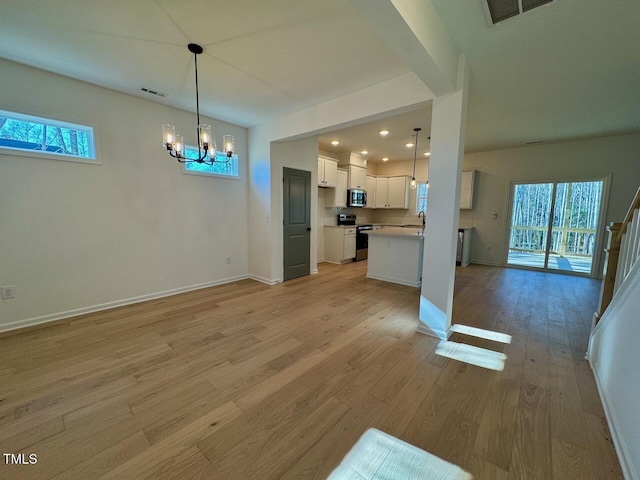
(414, 31)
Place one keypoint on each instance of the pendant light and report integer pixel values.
(415, 154)
(206, 144)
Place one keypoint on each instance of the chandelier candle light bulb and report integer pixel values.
(227, 141)
(178, 147)
(205, 135)
(169, 135)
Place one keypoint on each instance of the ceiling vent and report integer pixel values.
(500, 10)
(151, 91)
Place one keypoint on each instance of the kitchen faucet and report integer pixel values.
(422, 214)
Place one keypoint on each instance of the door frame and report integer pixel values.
(600, 237)
(313, 240)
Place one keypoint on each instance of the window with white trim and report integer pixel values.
(422, 192)
(48, 137)
(225, 167)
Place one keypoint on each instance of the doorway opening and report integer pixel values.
(554, 225)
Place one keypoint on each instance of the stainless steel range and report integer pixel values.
(362, 239)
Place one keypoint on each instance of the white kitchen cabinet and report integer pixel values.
(371, 191)
(339, 197)
(349, 247)
(392, 192)
(339, 244)
(466, 190)
(382, 187)
(327, 172)
(398, 196)
(357, 177)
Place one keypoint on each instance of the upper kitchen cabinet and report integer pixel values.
(356, 165)
(339, 197)
(327, 172)
(392, 192)
(371, 191)
(466, 190)
(398, 193)
(382, 186)
(357, 177)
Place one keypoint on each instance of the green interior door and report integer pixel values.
(297, 223)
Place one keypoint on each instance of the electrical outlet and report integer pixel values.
(8, 292)
(228, 260)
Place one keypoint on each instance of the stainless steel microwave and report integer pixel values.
(356, 198)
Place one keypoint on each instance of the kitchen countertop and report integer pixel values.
(402, 225)
(398, 231)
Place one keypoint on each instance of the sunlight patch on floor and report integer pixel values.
(480, 357)
(379, 456)
(481, 333)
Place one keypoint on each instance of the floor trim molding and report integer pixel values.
(264, 280)
(43, 319)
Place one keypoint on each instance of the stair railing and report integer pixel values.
(622, 253)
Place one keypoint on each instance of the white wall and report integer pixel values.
(579, 160)
(74, 236)
(614, 358)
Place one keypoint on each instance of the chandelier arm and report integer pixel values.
(177, 157)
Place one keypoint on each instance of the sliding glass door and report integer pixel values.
(554, 225)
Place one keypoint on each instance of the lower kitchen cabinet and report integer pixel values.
(339, 244)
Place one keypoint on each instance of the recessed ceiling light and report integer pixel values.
(364, 152)
(335, 142)
(385, 159)
(427, 154)
(408, 145)
(384, 133)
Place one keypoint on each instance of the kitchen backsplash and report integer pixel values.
(362, 215)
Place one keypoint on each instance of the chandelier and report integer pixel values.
(206, 143)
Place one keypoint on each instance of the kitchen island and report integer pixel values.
(395, 255)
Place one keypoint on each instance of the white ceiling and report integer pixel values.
(262, 59)
(564, 71)
(569, 70)
(392, 146)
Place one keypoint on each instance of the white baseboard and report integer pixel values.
(393, 280)
(621, 448)
(29, 322)
(488, 264)
(260, 279)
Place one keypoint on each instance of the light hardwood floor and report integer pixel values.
(247, 381)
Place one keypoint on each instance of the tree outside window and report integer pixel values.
(26, 132)
(422, 192)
